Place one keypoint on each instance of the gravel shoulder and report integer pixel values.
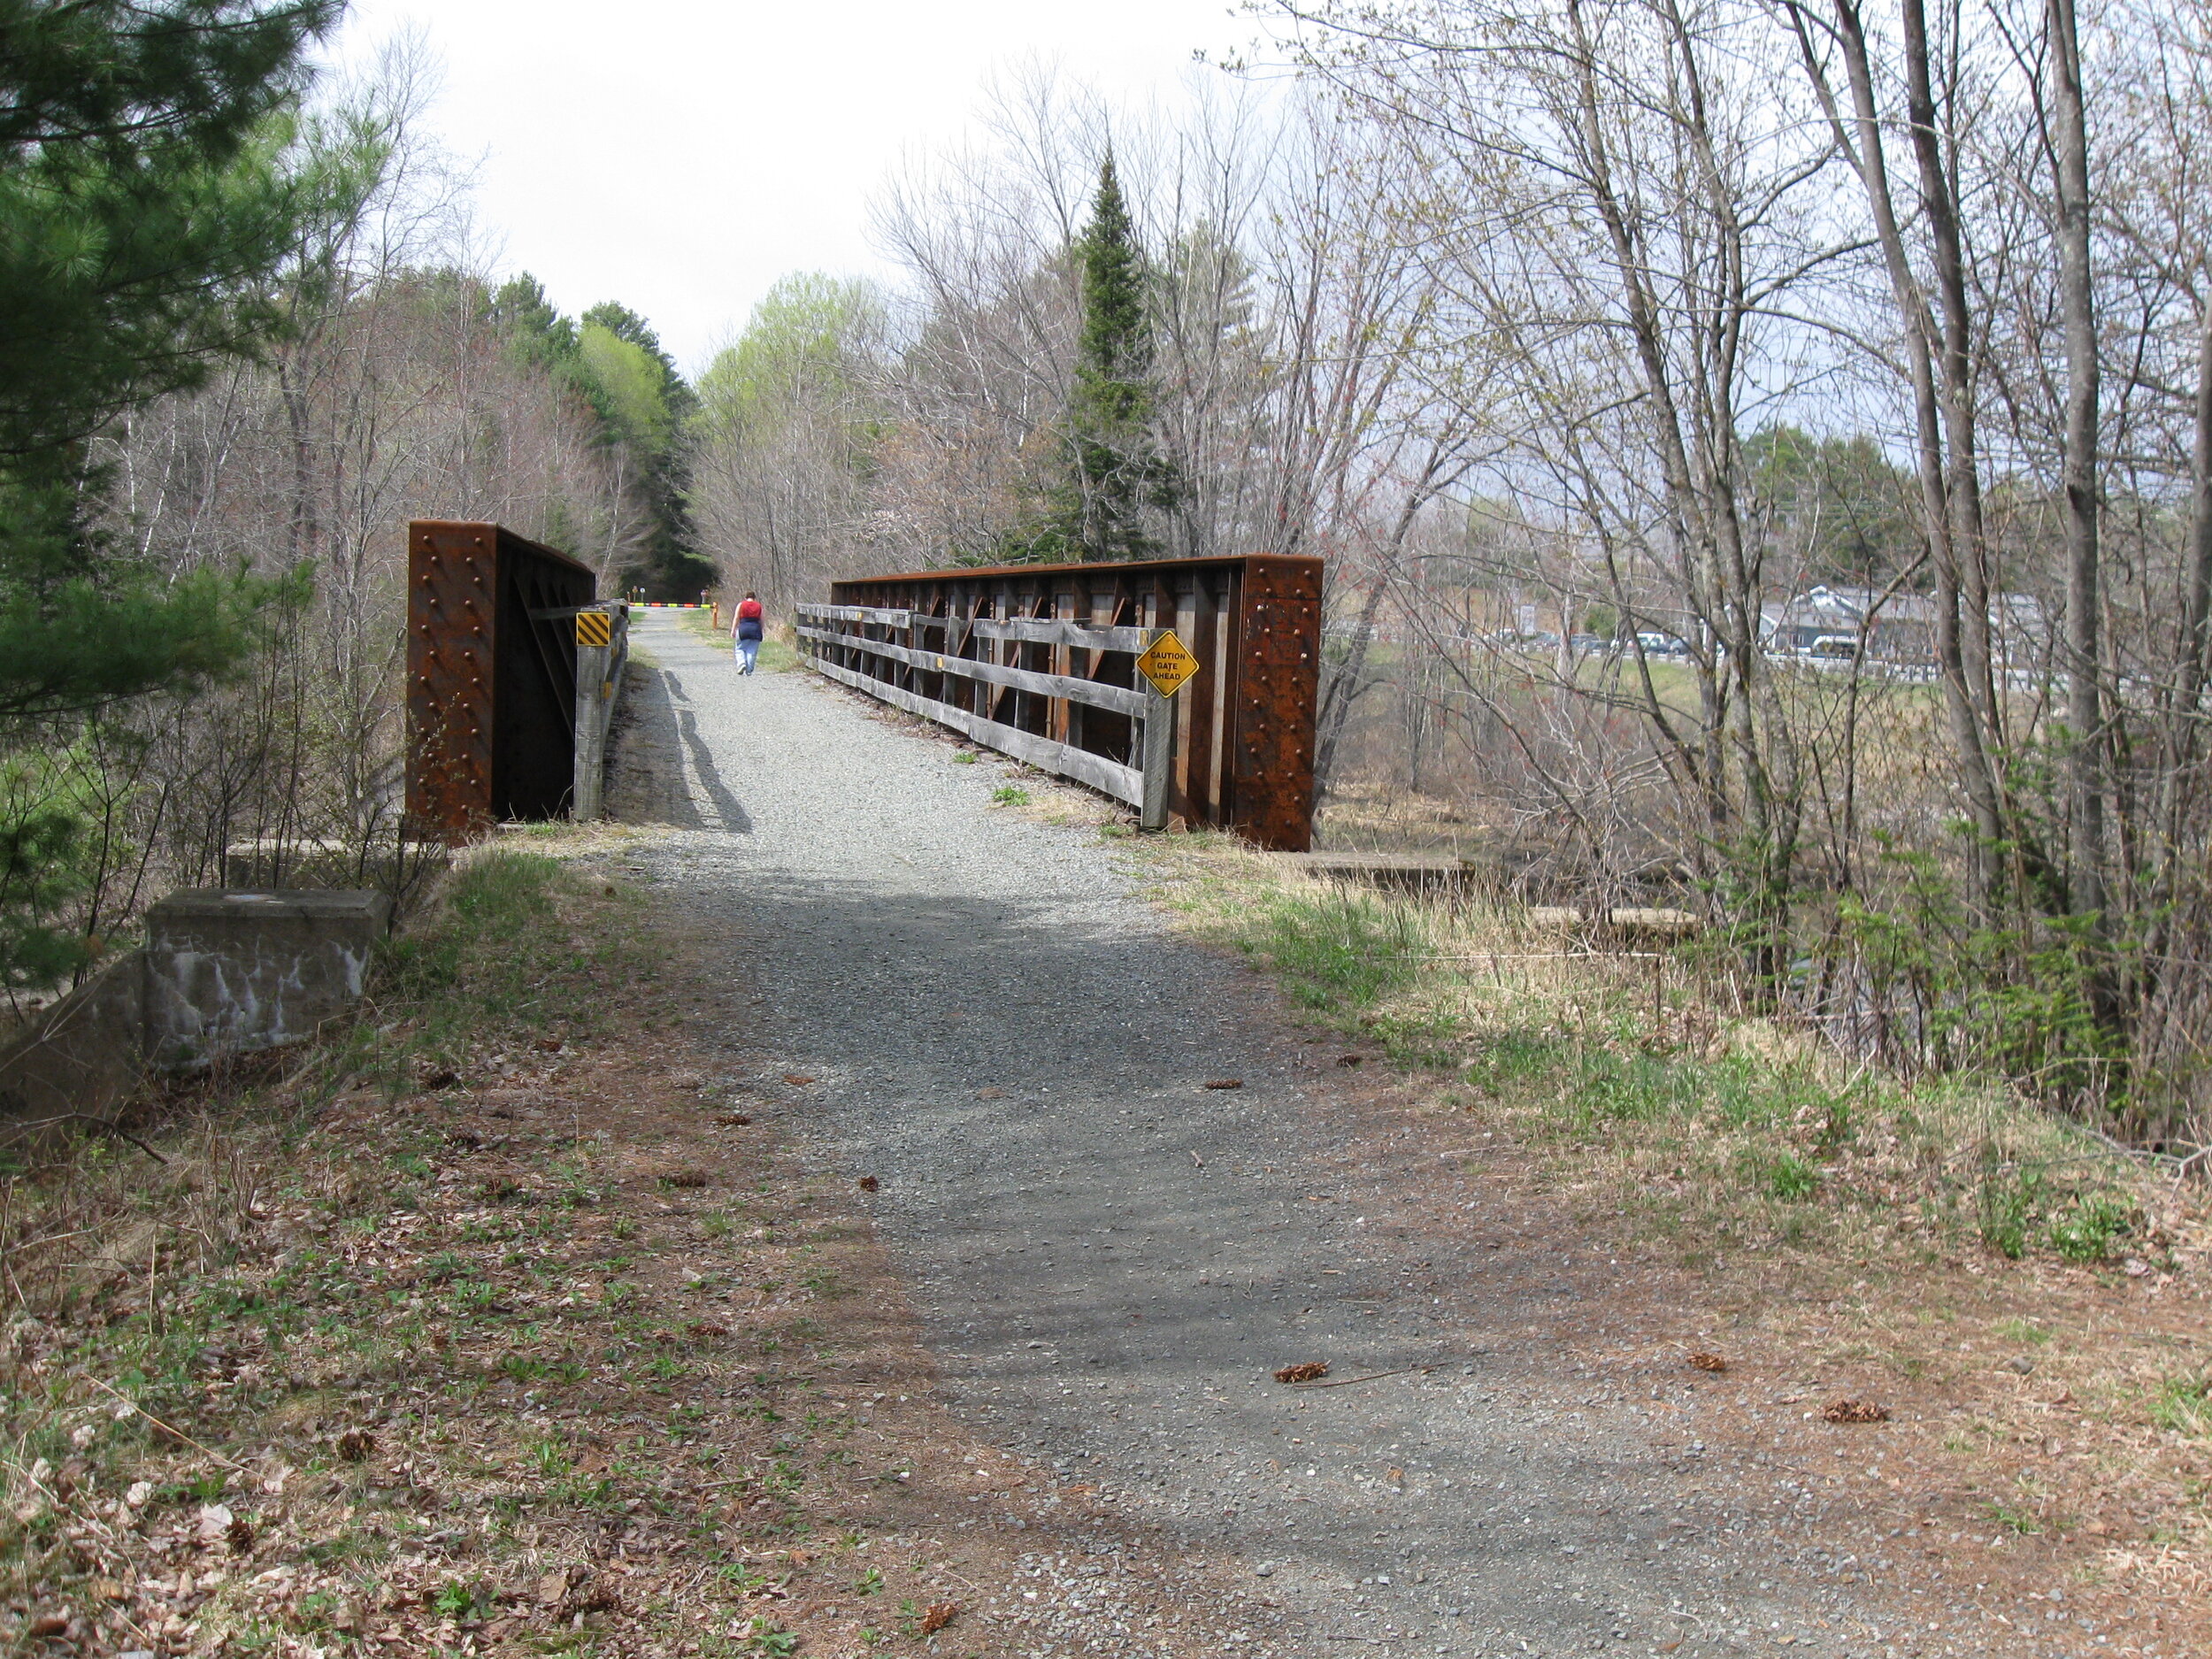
(1109, 1258)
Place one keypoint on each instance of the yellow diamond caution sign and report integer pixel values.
(1167, 663)
(593, 627)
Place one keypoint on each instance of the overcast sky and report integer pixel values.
(681, 155)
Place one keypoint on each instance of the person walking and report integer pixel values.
(747, 633)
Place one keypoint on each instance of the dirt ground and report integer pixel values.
(877, 1231)
(1107, 1258)
(561, 1352)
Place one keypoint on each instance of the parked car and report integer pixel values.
(1662, 645)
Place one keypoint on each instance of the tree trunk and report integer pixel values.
(2085, 714)
(1945, 519)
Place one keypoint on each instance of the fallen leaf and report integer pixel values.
(1855, 1411)
(553, 1588)
(604, 1599)
(50, 1624)
(1708, 1361)
(937, 1616)
(1397, 1474)
(990, 1094)
(868, 1183)
(1305, 1371)
(1223, 1082)
(548, 1045)
(213, 1523)
(354, 1445)
(795, 1080)
(732, 1120)
(702, 1329)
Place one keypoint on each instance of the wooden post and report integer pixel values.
(1159, 755)
(599, 669)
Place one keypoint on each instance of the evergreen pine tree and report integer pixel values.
(669, 566)
(147, 203)
(1117, 472)
(150, 201)
(1114, 475)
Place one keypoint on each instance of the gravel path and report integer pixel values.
(1110, 1259)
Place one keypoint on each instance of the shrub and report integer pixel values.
(2088, 1230)
(2006, 1203)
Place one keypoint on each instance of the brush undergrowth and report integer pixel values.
(1711, 1129)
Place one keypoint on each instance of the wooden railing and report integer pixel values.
(1038, 662)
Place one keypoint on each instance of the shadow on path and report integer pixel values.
(645, 774)
(734, 818)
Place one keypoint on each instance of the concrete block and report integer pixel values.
(75, 1060)
(230, 972)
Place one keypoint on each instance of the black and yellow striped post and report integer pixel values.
(601, 650)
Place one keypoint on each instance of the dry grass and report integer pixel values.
(501, 1326)
(2032, 1303)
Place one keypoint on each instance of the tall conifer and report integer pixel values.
(1113, 476)
(152, 203)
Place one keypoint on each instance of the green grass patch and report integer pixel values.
(160, 1280)
(1705, 1125)
(1338, 953)
(2183, 1406)
(522, 946)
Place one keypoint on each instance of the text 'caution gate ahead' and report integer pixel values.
(1183, 686)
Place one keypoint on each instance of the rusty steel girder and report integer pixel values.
(1243, 748)
(491, 678)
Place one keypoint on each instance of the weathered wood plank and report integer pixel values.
(1387, 869)
(1054, 632)
(857, 613)
(1159, 758)
(1123, 783)
(1089, 692)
